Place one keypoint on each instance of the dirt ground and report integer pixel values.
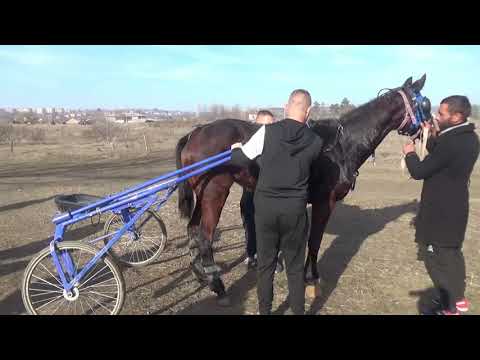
(367, 260)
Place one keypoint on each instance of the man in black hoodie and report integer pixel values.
(287, 149)
(444, 206)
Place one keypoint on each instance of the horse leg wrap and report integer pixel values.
(197, 268)
(211, 269)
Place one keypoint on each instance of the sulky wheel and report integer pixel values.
(143, 244)
(101, 291)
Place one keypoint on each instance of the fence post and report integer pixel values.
(11, 137)
(147, 150)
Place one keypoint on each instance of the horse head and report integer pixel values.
(417, 108)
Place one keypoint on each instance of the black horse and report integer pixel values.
(350, 141)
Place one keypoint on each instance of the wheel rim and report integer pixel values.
(141, 245)
(98, 292)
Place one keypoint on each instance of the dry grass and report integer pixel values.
(47, 144)
(367, 259)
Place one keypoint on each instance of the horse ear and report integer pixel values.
(418, 85)
(407, 82)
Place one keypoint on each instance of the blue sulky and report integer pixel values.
(56, 281)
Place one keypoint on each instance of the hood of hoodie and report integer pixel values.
(293, 138)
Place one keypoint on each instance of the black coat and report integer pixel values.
(443, 215)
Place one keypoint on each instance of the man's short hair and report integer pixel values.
(458, 104)
(303, 92)
(264, 113)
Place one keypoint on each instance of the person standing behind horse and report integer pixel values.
(287, 149)
(247, 208)
(442, 219)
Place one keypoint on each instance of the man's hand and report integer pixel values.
(432, 129)
(236, 145)
(427, 125)
(409, 147)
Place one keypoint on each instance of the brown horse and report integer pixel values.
(350, 141)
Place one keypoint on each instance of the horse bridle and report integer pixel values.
(414, 117)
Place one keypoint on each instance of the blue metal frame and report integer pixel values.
(142, 196)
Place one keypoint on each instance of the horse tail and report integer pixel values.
(185, 191)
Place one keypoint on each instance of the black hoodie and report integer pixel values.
(289, 148)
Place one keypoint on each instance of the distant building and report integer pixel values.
(132, 117)
(109, 116)
(72, 121)
(124, 118)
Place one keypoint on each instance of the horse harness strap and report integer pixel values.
(330, 148)
(337, 137)
(408, 113)
(354, 180)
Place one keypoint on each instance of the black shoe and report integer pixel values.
(433, 308)
(448, 312)
(431, 311)
(251, 263)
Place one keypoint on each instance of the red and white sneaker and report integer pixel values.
(462, 305)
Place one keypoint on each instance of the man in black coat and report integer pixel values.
(442, 220)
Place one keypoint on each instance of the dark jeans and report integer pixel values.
(247, 210)
(446, 268)
(287, 233)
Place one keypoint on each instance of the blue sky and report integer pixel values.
(181, 77)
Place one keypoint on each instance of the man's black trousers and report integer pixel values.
(446, 268)
(287, 233)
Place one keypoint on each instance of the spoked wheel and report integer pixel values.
(142, 245)
(100, 292)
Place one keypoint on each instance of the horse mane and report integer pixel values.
(350, 136)
(326, 128)
(369, 109)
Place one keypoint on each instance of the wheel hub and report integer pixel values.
(71, 295)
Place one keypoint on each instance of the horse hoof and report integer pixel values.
(224, 301)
